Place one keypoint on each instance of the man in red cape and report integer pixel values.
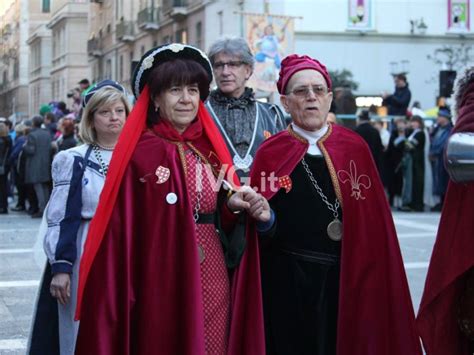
(453, 253)
(322, 295)
(140, 288)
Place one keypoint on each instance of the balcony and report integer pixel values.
(94, 47)
(124, 31)
(147, 19)
(177, 9)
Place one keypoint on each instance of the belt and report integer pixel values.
(206, 218)
(311, 256)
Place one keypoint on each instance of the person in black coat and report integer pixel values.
(5, 150)
(393, 161)
(416, 144)
(371, 136)
(67, 140)
(398, 102)
(15, 165)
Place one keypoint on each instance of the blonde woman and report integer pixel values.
(78, 175)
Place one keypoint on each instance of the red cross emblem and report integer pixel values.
(162, 174)
(286, 183)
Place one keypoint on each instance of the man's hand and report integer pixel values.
(61, 287)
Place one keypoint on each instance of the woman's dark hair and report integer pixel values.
(175, 72)
(418, 119)
(68, 127)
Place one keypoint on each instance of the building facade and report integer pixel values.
(68, 25)
(100, 39)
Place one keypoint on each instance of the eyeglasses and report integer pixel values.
(232, 65)
(303, 91)
(109, 113)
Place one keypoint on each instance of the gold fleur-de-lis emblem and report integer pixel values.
(357, 182)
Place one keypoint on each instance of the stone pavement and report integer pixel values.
(20, 268)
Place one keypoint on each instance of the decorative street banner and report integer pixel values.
(360, 15)
(459, 15)
(270, 38)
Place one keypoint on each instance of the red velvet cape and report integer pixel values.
(453, 255)
(375, 311)
(142, 293)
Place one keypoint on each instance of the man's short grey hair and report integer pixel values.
(235, 46)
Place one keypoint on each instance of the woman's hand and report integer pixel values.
(61, 287)
(254, 203)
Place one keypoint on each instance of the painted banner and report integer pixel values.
(270, 38)
(360, 15)
(459, 15)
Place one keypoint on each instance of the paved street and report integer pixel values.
(20, 268)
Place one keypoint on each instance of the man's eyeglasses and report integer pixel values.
(233, 64)
(303, 91)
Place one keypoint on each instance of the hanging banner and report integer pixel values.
(459, 16)
(270, 38)
(360, 15)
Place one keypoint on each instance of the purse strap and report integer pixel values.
(86, 159)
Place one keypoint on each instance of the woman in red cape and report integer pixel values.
(153, 274)
(453, 253)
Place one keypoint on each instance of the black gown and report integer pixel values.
(300, 268)
(418, 155)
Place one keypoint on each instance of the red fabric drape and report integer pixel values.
(453, 255)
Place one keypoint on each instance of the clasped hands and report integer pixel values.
(246, 198)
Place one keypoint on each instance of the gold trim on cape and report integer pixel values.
(332, 170)
(327, 158)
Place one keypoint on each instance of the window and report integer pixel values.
(46, 6)
(459, 16)
(199, 34)
(181, 36)
(121, 68)
(108, 69)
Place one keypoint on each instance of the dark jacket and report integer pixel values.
(373, 140)
(5, 151)
(38, 151)
(398, 102)
(16, 150)
(66, 142)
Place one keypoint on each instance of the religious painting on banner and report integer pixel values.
(360, 16)
(270, 38)
(459, 16)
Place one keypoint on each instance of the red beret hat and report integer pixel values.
(293, 64)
